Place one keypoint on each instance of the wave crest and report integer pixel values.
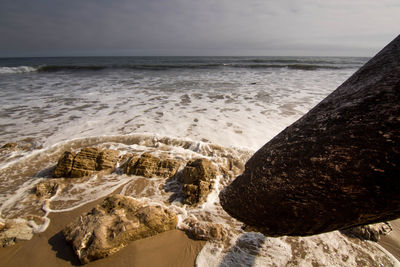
(20, 69)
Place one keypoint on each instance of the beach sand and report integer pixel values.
(391, 242)
(172, 248)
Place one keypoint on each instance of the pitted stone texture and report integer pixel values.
(87, 162)
(114, 223)
(336, 167)
(149, 166)
(197, 178)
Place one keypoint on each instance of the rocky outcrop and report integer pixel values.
(64, 165)
(9, 146)
(336, 167)
(12, 231)
(114, 223)
(148, 165)
(197, 178)
(371, 232)
(87, 162)
(46, 189)
(204, 230)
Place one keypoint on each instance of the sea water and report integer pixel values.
(219, 108)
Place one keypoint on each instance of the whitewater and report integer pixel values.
(219, 108)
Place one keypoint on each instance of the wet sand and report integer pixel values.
(47, 249)
(391, 242)
(172, 248)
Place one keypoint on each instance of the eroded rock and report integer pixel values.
(204, 231)
(371, 232)
(149, 166)
(64, 165)
(114, 223)
(336, 167)
(10, 146)
(12, 231)
(87, 162)
(197, 177)
(46, 189)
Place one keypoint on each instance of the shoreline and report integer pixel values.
(49, 248)
(391, 242)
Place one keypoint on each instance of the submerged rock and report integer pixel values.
(87, 162)
(336, 167)
(114, 223)
(148, 165)
(197, 178)
(46, 189)
(9, 146)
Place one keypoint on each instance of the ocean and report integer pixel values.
(220, 108)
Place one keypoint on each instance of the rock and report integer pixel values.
(114, 223)
(205, 231)
(13, 231)
(197, 178)
(148, 165)
(64, 165)
(10, 146)
(336, 167)
(107, 159)
(371, 232)
(87, 162)
(46, 189)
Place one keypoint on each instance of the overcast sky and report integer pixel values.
(201, 27)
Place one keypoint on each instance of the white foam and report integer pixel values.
(20, 69)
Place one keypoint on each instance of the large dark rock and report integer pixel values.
(336, 167)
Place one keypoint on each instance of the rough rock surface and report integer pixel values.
(12, 231)
(197, 178)
(336, 167)
(371, 232)
(9, 146)
(46, 189)
(148, 165)
(87, 162)
(205, 231)
(114, 223)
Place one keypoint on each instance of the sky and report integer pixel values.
(197, 28)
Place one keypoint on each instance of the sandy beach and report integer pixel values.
(391, 242)
(172, 248)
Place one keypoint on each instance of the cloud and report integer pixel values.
(196, 27)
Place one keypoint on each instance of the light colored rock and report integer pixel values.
(87, 162)
(64, 165)
(46, 189)
(114, 223)
(13, 231)
(10, 146)
(197, 178)
(371, 232)
(148, 165)
(204, 231)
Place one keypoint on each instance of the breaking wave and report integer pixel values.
(163, 67)
(20, 69)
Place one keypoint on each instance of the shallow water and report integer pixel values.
(222, 109)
